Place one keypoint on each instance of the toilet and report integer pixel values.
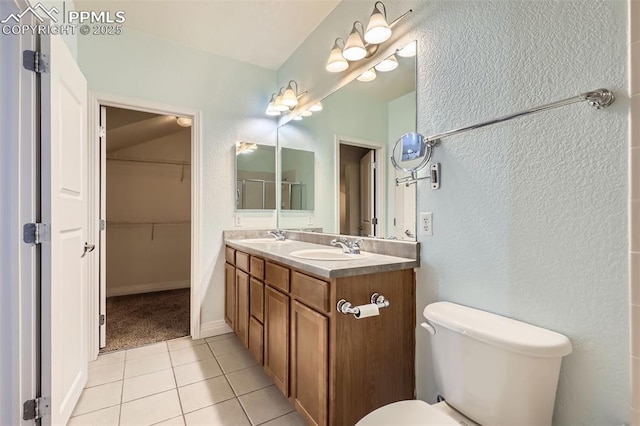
(489, 370)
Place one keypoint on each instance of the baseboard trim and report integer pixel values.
(147, 288)
(214, 328)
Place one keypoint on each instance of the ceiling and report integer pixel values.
(127, 128)
(259, 32)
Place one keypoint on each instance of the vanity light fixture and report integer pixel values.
(378, 30)
(271, 109)
(245, 147)
(317, 107)
(183, 121)
(387, 64)
(409, 50)
(336, 63)
(290, 97)
(354, 49)
(367, 76)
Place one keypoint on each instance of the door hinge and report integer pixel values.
(374, 165)
(35, 61)
(374, 221)
(102, 224)
(35, 233)
(102, 132)
(35, 409)
(102, 319)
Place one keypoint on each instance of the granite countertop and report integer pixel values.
(280, 252)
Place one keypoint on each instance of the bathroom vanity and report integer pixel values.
(333, 367)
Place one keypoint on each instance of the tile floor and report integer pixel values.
(214, 381)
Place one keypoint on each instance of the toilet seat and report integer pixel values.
(408, 413)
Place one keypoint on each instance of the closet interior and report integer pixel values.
(147, 194)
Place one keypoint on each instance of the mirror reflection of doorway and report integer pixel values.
(357, 191)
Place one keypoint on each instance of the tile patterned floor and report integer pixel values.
(212, 381)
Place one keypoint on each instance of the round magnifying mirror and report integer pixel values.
(411, 152)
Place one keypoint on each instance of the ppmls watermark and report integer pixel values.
(74, 21)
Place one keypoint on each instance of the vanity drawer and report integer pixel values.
(230, 255)
(242, 261)
(312, 291)
(257, 267)
(277, 276)
(256, 299)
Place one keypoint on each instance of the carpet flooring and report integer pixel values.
(141, 319)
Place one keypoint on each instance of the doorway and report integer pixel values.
(145, 244)
(358, 183)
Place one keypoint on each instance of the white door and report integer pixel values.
(367, 194)
(65, 280)
(103, 229)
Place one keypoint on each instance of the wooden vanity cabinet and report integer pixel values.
(334, 368)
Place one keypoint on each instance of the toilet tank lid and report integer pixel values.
(507, 333)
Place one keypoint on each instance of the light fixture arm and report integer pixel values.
(361, 32)
(336, 45)
(384, 8)
(296, 84)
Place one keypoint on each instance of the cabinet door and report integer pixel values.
(256, 340)
(256, 303)
(276, 338)
(310, 363)
(230, 295)
(242, 320)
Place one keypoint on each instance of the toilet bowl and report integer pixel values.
(415, 412)
(480, 361)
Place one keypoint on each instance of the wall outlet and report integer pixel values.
(426, 223)
(238, 220)
(310, 220)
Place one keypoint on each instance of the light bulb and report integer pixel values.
(317, 107)
(183, 121)
(354, 47)
(306, 113)
(297, 118)
(271, 109)
(368, 75)
(409, 50)
(290, 99)
(278, 105)
(388, 64)
(378, 30)
(336, 63)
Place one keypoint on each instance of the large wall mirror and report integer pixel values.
(255, 176)
(351, 139)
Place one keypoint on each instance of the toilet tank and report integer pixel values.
(495, 370)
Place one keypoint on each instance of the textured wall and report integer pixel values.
(531, 219)
(231, 96)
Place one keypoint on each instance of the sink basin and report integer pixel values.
(265, 241)
(328, 254)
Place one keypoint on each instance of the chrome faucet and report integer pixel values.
(278, 234)
(351, 247)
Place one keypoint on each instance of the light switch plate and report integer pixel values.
(238, 219)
